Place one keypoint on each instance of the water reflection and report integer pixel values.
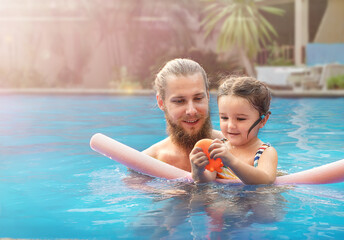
(299, 119)
(316, 129)
(213, 211)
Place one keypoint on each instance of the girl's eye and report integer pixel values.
(241, 119)
(224, 118)
(199, 99)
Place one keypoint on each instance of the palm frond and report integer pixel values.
(272, 10)
(265, 24)
(216, 16)
(240, 23)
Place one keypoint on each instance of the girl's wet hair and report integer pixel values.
(256, 92)
(178, 67)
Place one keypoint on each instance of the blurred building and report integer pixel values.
(314, 21)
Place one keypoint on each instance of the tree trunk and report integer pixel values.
(247, 63)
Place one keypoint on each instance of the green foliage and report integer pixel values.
(129, 85)
(214, 67)
(19, 78)
(280, 62)
(242, 24)
(277, 55)
(336, 82)
(123, 80)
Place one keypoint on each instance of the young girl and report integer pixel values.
(243, 108)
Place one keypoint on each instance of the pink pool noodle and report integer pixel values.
(138, 161)
(134, 159)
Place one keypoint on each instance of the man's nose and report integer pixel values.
(191, 109)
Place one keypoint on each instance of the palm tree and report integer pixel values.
(242, 26)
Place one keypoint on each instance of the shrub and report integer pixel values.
(336, 82)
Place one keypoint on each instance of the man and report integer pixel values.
(183, 94)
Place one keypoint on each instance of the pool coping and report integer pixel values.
(307, 93)
(76, 91)
(95, 91)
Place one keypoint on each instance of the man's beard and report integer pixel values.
(183, 139)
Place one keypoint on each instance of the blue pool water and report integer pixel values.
(52, 185)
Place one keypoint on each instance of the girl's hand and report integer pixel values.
(219, 149)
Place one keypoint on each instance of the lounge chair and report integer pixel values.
(314, 77)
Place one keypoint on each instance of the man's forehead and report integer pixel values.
(189, 84)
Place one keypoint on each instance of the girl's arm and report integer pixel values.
(264, 173)
(198, 161)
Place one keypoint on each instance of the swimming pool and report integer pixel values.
(52, 185)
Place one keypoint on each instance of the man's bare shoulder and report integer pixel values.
(169, 153)
(216, 134)
(155, 149)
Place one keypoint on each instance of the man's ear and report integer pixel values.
(160, 102)
(264, 120)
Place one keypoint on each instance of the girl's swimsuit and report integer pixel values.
(227, 172)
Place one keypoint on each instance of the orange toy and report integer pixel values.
(214, 165)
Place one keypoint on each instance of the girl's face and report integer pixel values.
(237, 116)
